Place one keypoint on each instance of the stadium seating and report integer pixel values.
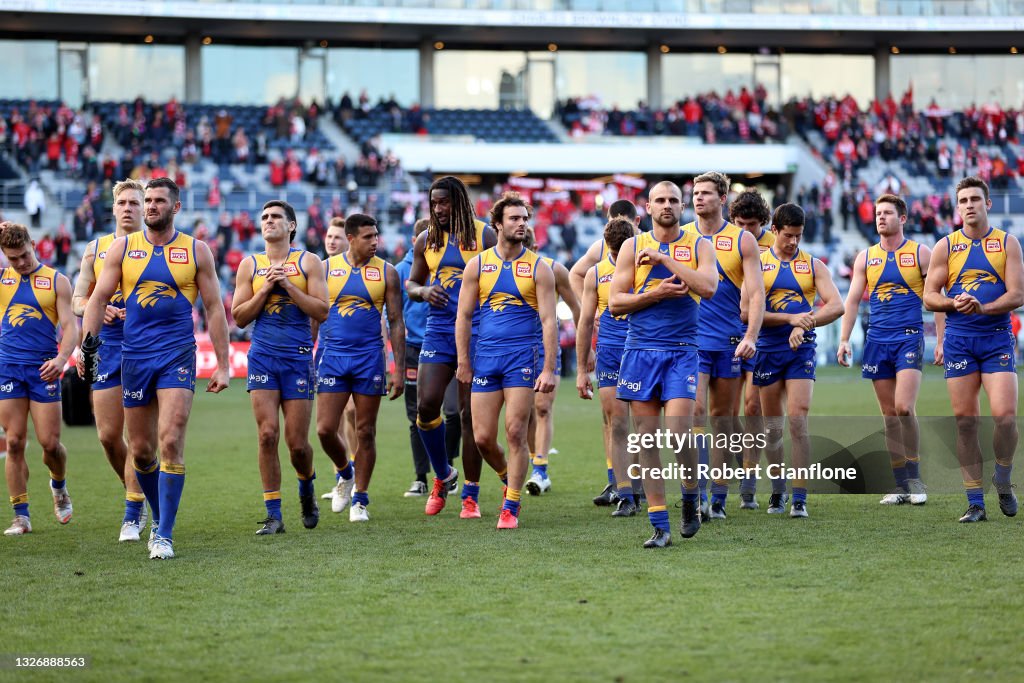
(490, 125)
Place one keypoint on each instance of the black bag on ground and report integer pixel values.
(74, 398)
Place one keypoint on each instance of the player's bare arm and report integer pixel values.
(314, 301)
(938, 271)
(858, 282)
(579, 271)
(549, 324)
(246, 304)
(52, 369)
(209, 290)
(584, 333)
(396, 329)
(564, 290)
(754, 296)
(468, 298)
(106, 285)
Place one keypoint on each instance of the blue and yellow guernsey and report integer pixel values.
(28, 333)
(977, 267)
(159, 287)
(356, 296)
(613, 328)
(508, 302)
(446, 266)
(672, 323)
(895, 291)
(112, 332)
(765, 241)
(788, 288)
(281, 326)
(720, 327)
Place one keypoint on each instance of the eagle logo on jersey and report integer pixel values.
(447, 276)
(780, 299)
(149, 292)
(117, 297)
(887, 290)
(17, 314)
(649, 285)
(349, 304)
(276, 304)
(499, 300)
(972, 278)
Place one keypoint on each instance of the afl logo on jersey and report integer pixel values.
(372, 274)
(177, 255)
(993, 246)
(604, 279)
(489, 268)
(42, 283)
(102, 255)
(767, 267)
(723, 243)
(802, 267)
(337, 272)
(908, 260)
(9, 281)
(961, 246)
(523, 269)
(874, 262)
(682, 253)
(137, 254)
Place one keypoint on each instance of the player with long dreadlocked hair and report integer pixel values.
(440, 255)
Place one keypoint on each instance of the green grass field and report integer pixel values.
(857, 592)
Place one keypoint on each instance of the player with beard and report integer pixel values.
(660, 279)
(893, 271)
(515, 292)
(440, 254)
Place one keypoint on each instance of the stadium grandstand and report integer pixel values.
(346, 106)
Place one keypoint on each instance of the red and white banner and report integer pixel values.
(206, 359)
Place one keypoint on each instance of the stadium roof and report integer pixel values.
(397, 26)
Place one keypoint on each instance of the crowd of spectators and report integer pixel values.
(933, 142)
(735, 117)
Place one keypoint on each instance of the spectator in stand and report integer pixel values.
(277, 173)
(46, 250)
(35, 202)
(62, 246)
(866, 213)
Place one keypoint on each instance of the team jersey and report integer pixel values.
(720, 327)
(159, 288)
(895, 291)
(671, 323)
(113, 331)
(28, 333)
(446, 266)
(977, 267)
(508, 301)
(613, 328)
(356, 296)
(788, 288)
(281, 325)
(765, 241)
